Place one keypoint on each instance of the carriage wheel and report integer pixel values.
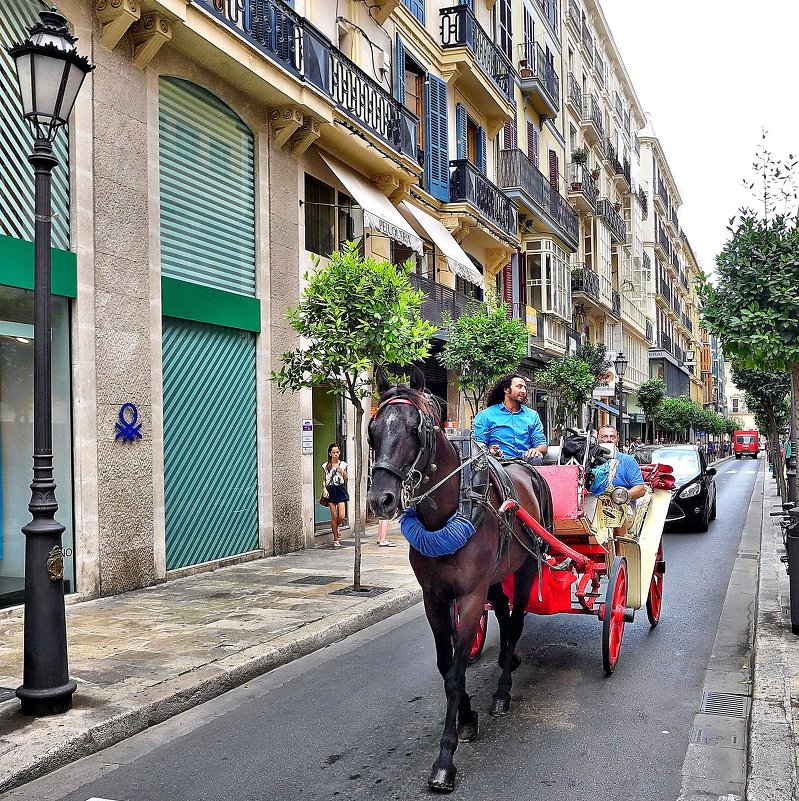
(613, 621)
(482, 630)
(654, 600)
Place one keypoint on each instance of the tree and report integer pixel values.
(675, 415)
(483, 345)
(596, 357)
(569, 383)
(650, 396)
(754, 306)
(354, 314)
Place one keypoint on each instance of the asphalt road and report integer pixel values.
(362, 719)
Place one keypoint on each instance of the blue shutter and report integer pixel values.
(399, 69)
(416, 7)
(482, 160)
(461, 124)
(436, 163)
(469, 3)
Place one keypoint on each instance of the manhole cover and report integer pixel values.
(735, 706)
(364, 592)
(701, 736)
(6, 693)
(317, 580)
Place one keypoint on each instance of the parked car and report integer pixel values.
(746, 443)
(694, 498)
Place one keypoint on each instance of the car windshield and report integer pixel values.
(684, 462)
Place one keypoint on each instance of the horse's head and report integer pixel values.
(402, 436)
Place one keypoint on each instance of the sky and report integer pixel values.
(712, 74)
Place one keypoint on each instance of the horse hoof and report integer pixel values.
(442, 779)
(468, 732)
(500, 707)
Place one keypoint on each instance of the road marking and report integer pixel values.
(751, 471)
(733, 471)
(99, 799)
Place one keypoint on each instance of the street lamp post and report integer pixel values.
(620, 363)
(50, 73)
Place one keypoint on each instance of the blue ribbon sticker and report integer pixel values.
(129, 431)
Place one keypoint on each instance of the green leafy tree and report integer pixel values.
(754, 305)
(596, 357)
(355, 313)
(569, 383)
(675, 416)
(483, 344)
(650, 395)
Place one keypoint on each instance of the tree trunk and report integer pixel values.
(792, 488)
(774, 440)
(356, 576)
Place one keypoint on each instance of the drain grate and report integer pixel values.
(364, 592)
(736, 706)
(317, 580)
(6, 693)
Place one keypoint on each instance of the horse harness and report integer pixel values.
(476, 464)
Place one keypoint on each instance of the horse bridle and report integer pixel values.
(425, 459)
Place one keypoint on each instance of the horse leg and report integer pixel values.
(523, 582)
(452, 666)
(498, 599)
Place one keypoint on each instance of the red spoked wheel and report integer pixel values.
(654, 600)
(613, 619)
(482, 630)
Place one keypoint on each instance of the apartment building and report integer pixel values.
(736, 401)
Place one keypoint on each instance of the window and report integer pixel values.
(416, 7)
(735, 405)
(414, 96)
(331, 218)
(424, 267)
(504, 27)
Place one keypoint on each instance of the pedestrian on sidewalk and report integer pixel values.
(335, 482)
(382, 534)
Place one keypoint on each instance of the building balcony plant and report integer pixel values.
(538, 79)
(468, 185)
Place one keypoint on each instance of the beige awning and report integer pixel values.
(378, 212)
(457, 260)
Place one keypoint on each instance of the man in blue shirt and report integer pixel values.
(628, 473)
(508, 428)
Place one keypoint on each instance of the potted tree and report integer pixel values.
(579, 156)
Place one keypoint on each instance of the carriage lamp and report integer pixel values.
(50, 74)
(620, 363)
(620, 496)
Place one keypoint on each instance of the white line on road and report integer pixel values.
(751, 471)
(733, 471)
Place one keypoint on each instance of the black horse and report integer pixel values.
(412, 456)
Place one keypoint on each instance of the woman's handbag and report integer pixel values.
(324, 498)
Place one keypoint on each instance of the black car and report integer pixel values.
(694, 497)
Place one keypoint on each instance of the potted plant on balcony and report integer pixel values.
(595, 173)
(524, 69)
(580, 156)
(617, 205)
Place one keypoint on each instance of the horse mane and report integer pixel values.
(420, 399)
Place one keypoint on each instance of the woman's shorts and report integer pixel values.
(337, 493)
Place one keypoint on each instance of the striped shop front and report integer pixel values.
(211, 319)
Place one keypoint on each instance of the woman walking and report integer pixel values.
(335, 483)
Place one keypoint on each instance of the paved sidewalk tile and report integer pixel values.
(144, 656)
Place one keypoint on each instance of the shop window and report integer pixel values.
(331, 218)
(425, 267)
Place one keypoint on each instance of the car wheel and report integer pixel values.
(703, 522)
(737, 455)
(713, 509)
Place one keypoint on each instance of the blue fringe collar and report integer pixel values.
(444, 542)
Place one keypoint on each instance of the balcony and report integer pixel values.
(650, 331)
(661, 197)
(481, 69)
(468, 185)
(586, 281)
(646, 265)
(573, 17)
(614, 221)
(664, 290)
(621, 175)
(643, 200)
(615, 303)
(588, 41)
(666, 343)
(687, 322)
(591, 120)
(574, 96)
(289, 40)
(599, 68)
(627, 122)
(440, 299)
(533, 193)
(582, 188)
(538, 79)
(617, 108)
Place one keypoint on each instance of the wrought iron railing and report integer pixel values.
(627, 122)
(588, 41)
(683, 279)
(599, 67)
(581, 180)
(664, 289)
(575, 95)
(609, 149)
(662, 193)
(275, 30)
(440, 299)
(616, 303)
(592, 113)
(644, 201)
(650, 331)
(516, 171)
(665, 342)
(614, 220)
(574, 14)
(687, 322)
(468, 184)
(617, 107)
(459, 28)
(533, 57)
(586, 281)
(673, 217)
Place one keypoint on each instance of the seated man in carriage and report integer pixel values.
(507, 427)
(628, 471)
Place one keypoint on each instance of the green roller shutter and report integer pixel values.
(207, 190)
(16, 141)
(210, 456)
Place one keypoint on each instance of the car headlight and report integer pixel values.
(691, 490)
(620, 495)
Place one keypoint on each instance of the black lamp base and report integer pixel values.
(52, 701)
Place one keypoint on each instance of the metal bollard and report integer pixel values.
(792, 549)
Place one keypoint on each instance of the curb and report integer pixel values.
(195, 687)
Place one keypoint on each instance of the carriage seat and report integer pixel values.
(552, 454)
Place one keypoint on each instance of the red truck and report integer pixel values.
(746, 443)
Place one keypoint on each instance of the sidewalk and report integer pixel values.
(772, 756)
(144, 656)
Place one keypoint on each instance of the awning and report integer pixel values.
(457, 260)
(606, 407)
(378, 212)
